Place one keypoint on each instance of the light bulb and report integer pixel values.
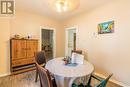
(66, 5)
(58, 6)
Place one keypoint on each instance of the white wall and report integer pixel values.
(110, 53)
(4, 46)
(24, 23)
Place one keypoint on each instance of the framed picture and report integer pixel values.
(106, 27)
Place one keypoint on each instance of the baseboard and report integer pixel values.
(113, 81)
(6, 74)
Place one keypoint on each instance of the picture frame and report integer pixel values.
(106, 27)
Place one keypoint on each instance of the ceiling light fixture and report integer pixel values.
(66, 5)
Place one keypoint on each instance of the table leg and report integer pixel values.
(71, 80)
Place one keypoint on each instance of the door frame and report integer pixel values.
(66, 37)
(54, 39)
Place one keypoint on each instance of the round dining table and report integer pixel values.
(65, 74)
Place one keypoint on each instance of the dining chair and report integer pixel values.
(102, 82)
(40, 58)
(45, 78)
(77, 51)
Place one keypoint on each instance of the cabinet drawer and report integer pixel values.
(31, 60)
(22, 62)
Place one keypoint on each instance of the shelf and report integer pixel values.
(21, 69)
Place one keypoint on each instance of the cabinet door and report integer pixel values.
(18, 49)
(32, 47)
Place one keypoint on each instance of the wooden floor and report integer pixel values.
(21, 80)
(26, 80)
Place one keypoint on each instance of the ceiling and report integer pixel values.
(47, 7)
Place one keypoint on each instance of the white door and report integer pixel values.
(70, 41)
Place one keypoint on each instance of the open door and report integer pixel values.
(70, 40)
(47, 43)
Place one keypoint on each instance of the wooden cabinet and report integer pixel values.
(31, 48)
(18, 49)
(22, 52)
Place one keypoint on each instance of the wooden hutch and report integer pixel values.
(22, 54)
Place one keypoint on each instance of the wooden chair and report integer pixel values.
(41, 60)
(77, 51)
(103, 82)
(45, 78)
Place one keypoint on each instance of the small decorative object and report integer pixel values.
(67, 60)
(106, 27)
(29, 37)
(16, 36)
(23, 38)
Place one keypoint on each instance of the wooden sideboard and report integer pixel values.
(22, 53)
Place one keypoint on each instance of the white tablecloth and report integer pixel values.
(65, 75)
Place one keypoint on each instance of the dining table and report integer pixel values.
(66, 74)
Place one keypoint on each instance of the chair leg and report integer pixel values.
(36, 76)
(54, 83)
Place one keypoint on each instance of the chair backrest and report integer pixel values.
(104, 82)
(40, 57)
(45, 78)
(77, 51)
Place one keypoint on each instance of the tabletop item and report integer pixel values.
(72, 64)
(73, 60)
(77, 58)
(64, 74)
(67, 60)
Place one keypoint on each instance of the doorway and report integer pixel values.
(48, 42)
(70, 40)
